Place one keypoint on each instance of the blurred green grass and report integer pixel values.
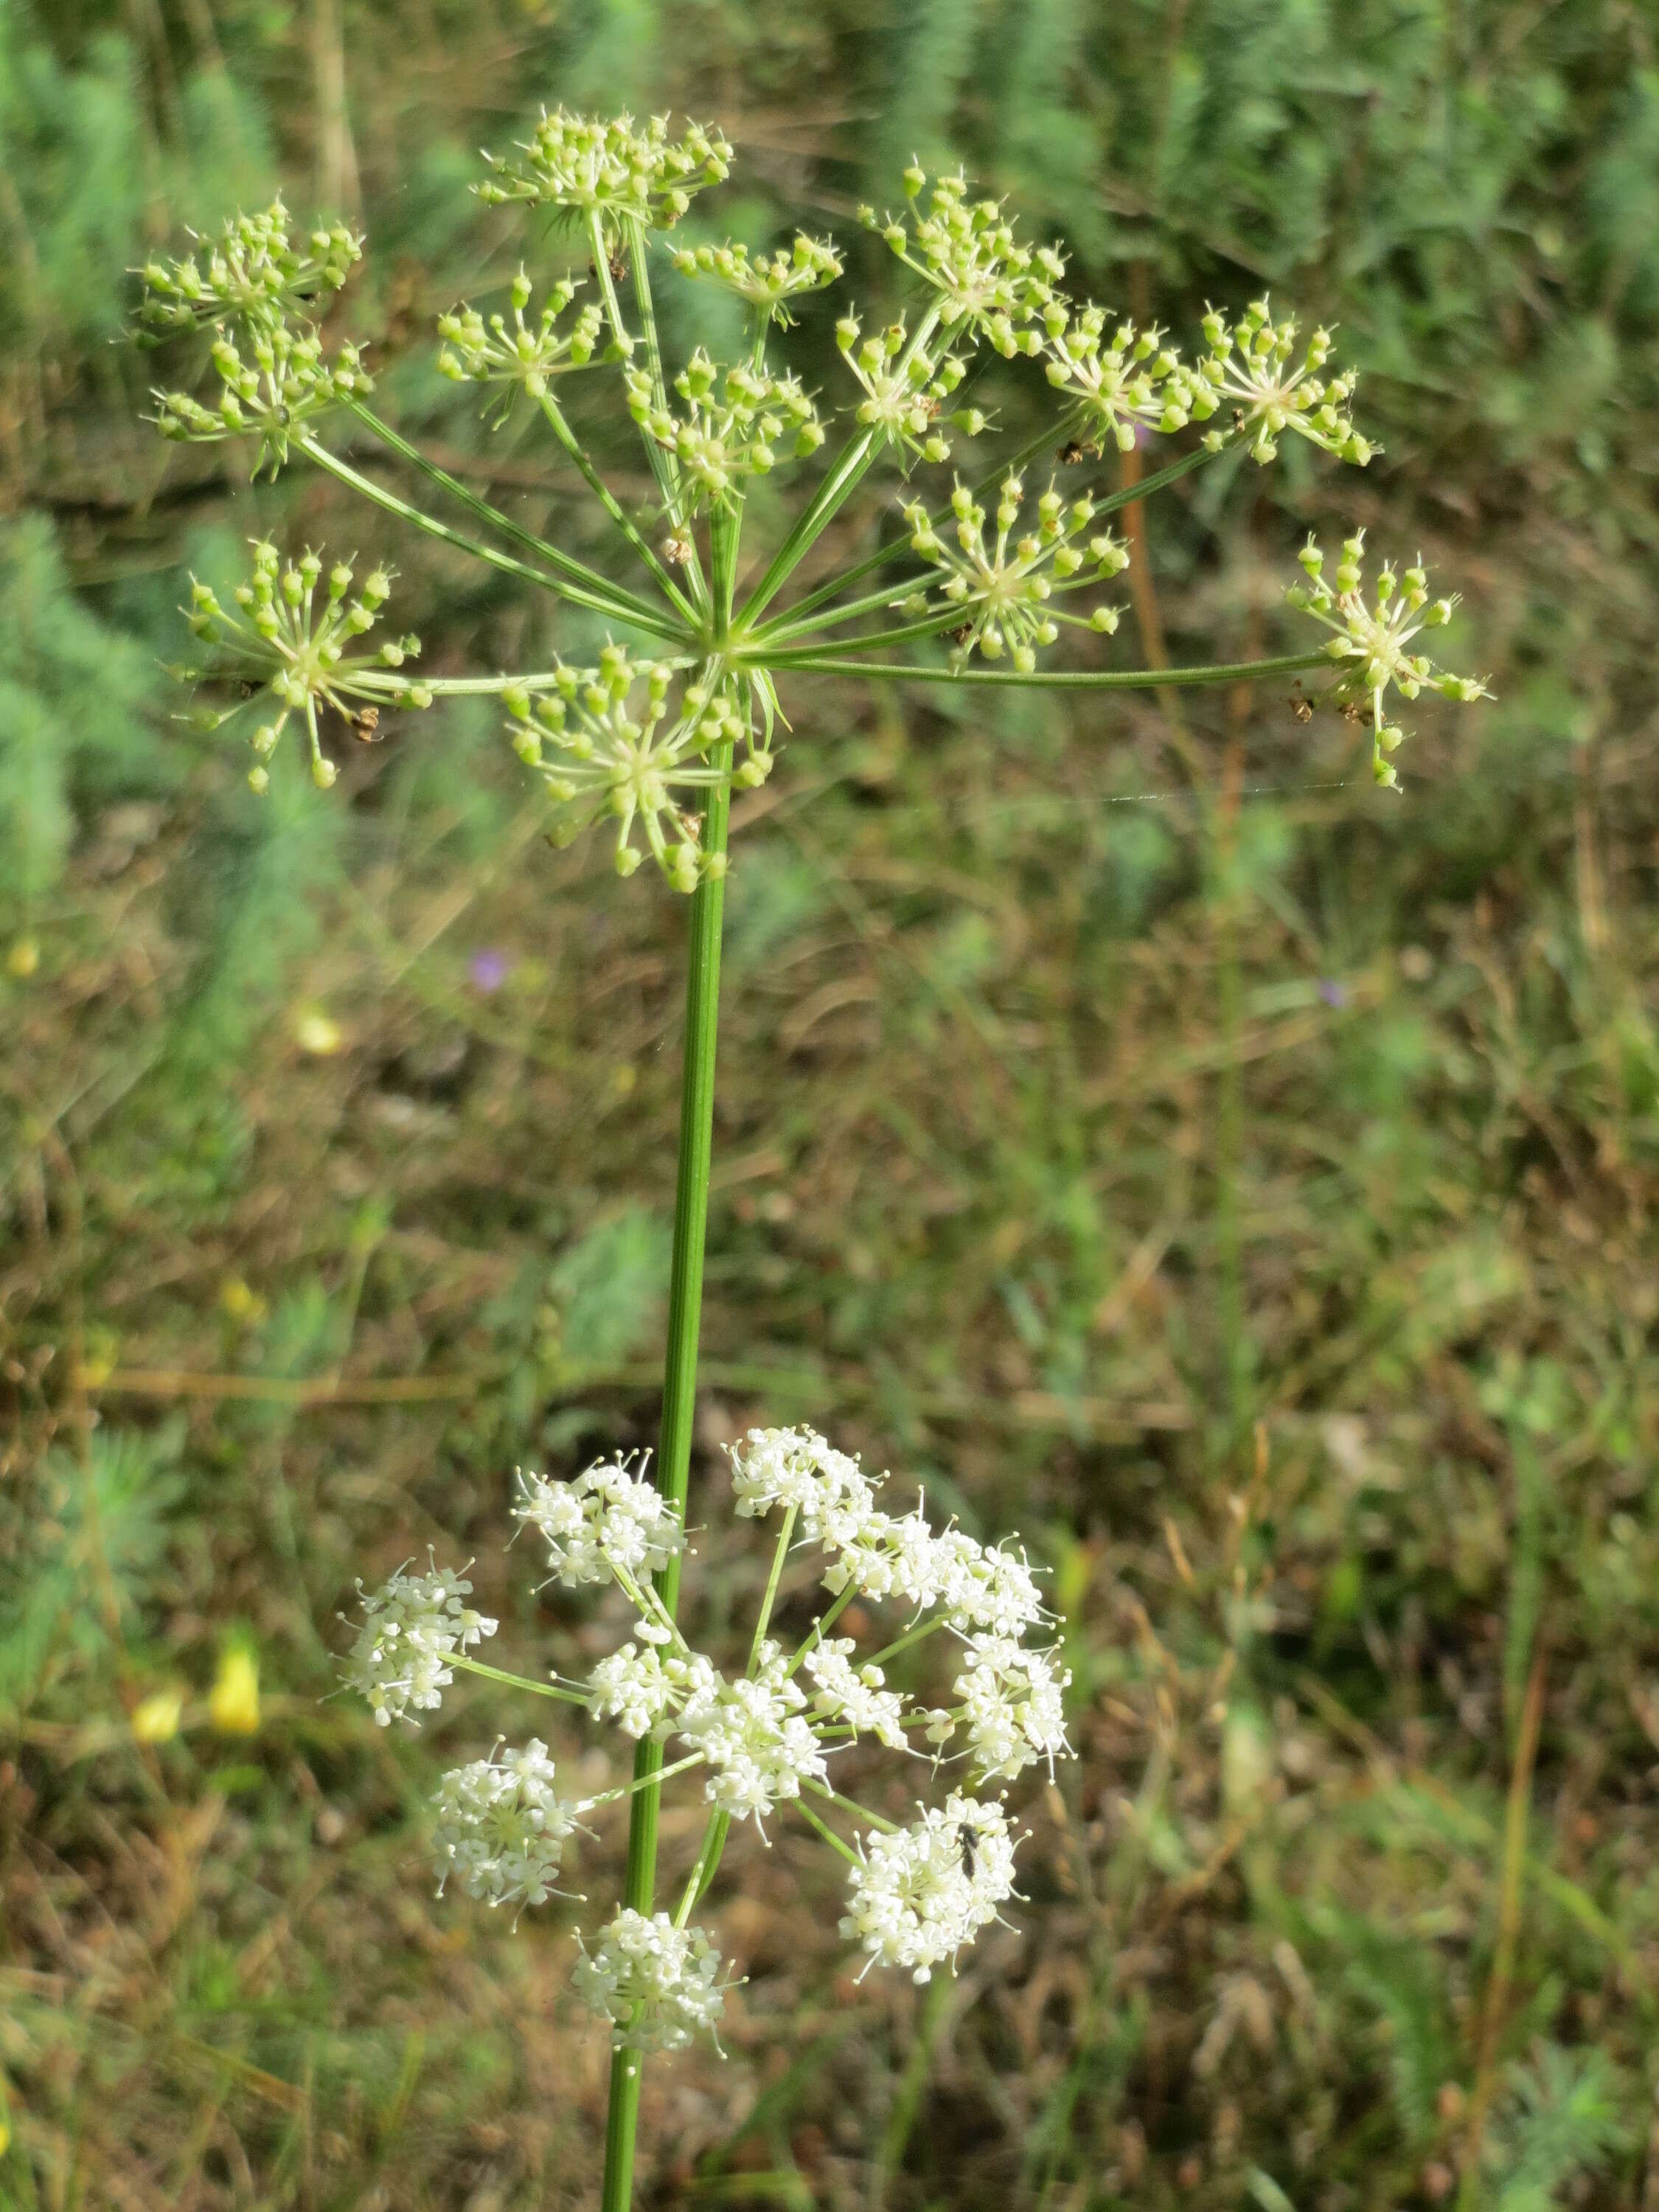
(1246, 1191)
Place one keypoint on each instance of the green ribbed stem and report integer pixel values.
(679, 1403)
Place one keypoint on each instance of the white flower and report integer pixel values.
(751, 1732)
(531, 355)
(966, 252)
(586, 165)
(608, 744)
(1371, 638)
(1013, 1705)
(411, 1628)
(502, 1827)
(733, 421)
(609, 1521)
(883, 1555)
(657, 1984)
(1127, 379)
(644, 1684)
(1005, 587)
(984, 1587)
(1253, 363)
(918, 1895)
(855, 1694)
(633, 1686)
(798, 1468)
(765, 281)
(905, 388)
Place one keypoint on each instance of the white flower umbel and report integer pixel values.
(611, 1522)
(608, 744)
(254, 267)
(641, 1686)
(520, 355)
(764, 281)
(1004, 587)
(986, 1586)
(609, 170)
(1370, 637)
(502, 1827)
(917, 1894)
(276, 381)
(983, 279)
(733, 423)
(906, 383)
(751, 1733)
(885, 1556)
(854, 1694)
(295, 646)
(1014, 1707)
(412, 1627)
(801, 1471)
(658, 1985)
(1252, 362)
(1126, 382)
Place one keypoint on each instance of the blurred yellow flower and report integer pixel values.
(234, 1700)
(155, 1719)
(317, 1033)
(24, 958)
(239, 1302)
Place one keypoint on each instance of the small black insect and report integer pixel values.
(963, 636)
(968, 1839)
(617, 261)
(1069, 455)
(366, 726)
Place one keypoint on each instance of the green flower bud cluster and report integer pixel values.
(1252, 362)
(584, 167)
(966, 252)
(1128, 382)
(604, 753)
(274, 381)
(1372, 637)
(298, 647)
(252, 267)
(766, 280)
(1005, 589)
(528, 355)
(731, 427)
(905, 388)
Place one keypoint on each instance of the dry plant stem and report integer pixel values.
(1509, 1928)
(678, 1405)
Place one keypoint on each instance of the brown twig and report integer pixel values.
(1509, 1928)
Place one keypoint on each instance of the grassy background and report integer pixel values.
(1248, 1191)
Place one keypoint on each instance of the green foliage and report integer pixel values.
(76, 704)
(1565, 2120)
(609, 1289)
(86, 1540)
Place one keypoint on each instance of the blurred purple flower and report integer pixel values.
(490, 969)
(1333, 992)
